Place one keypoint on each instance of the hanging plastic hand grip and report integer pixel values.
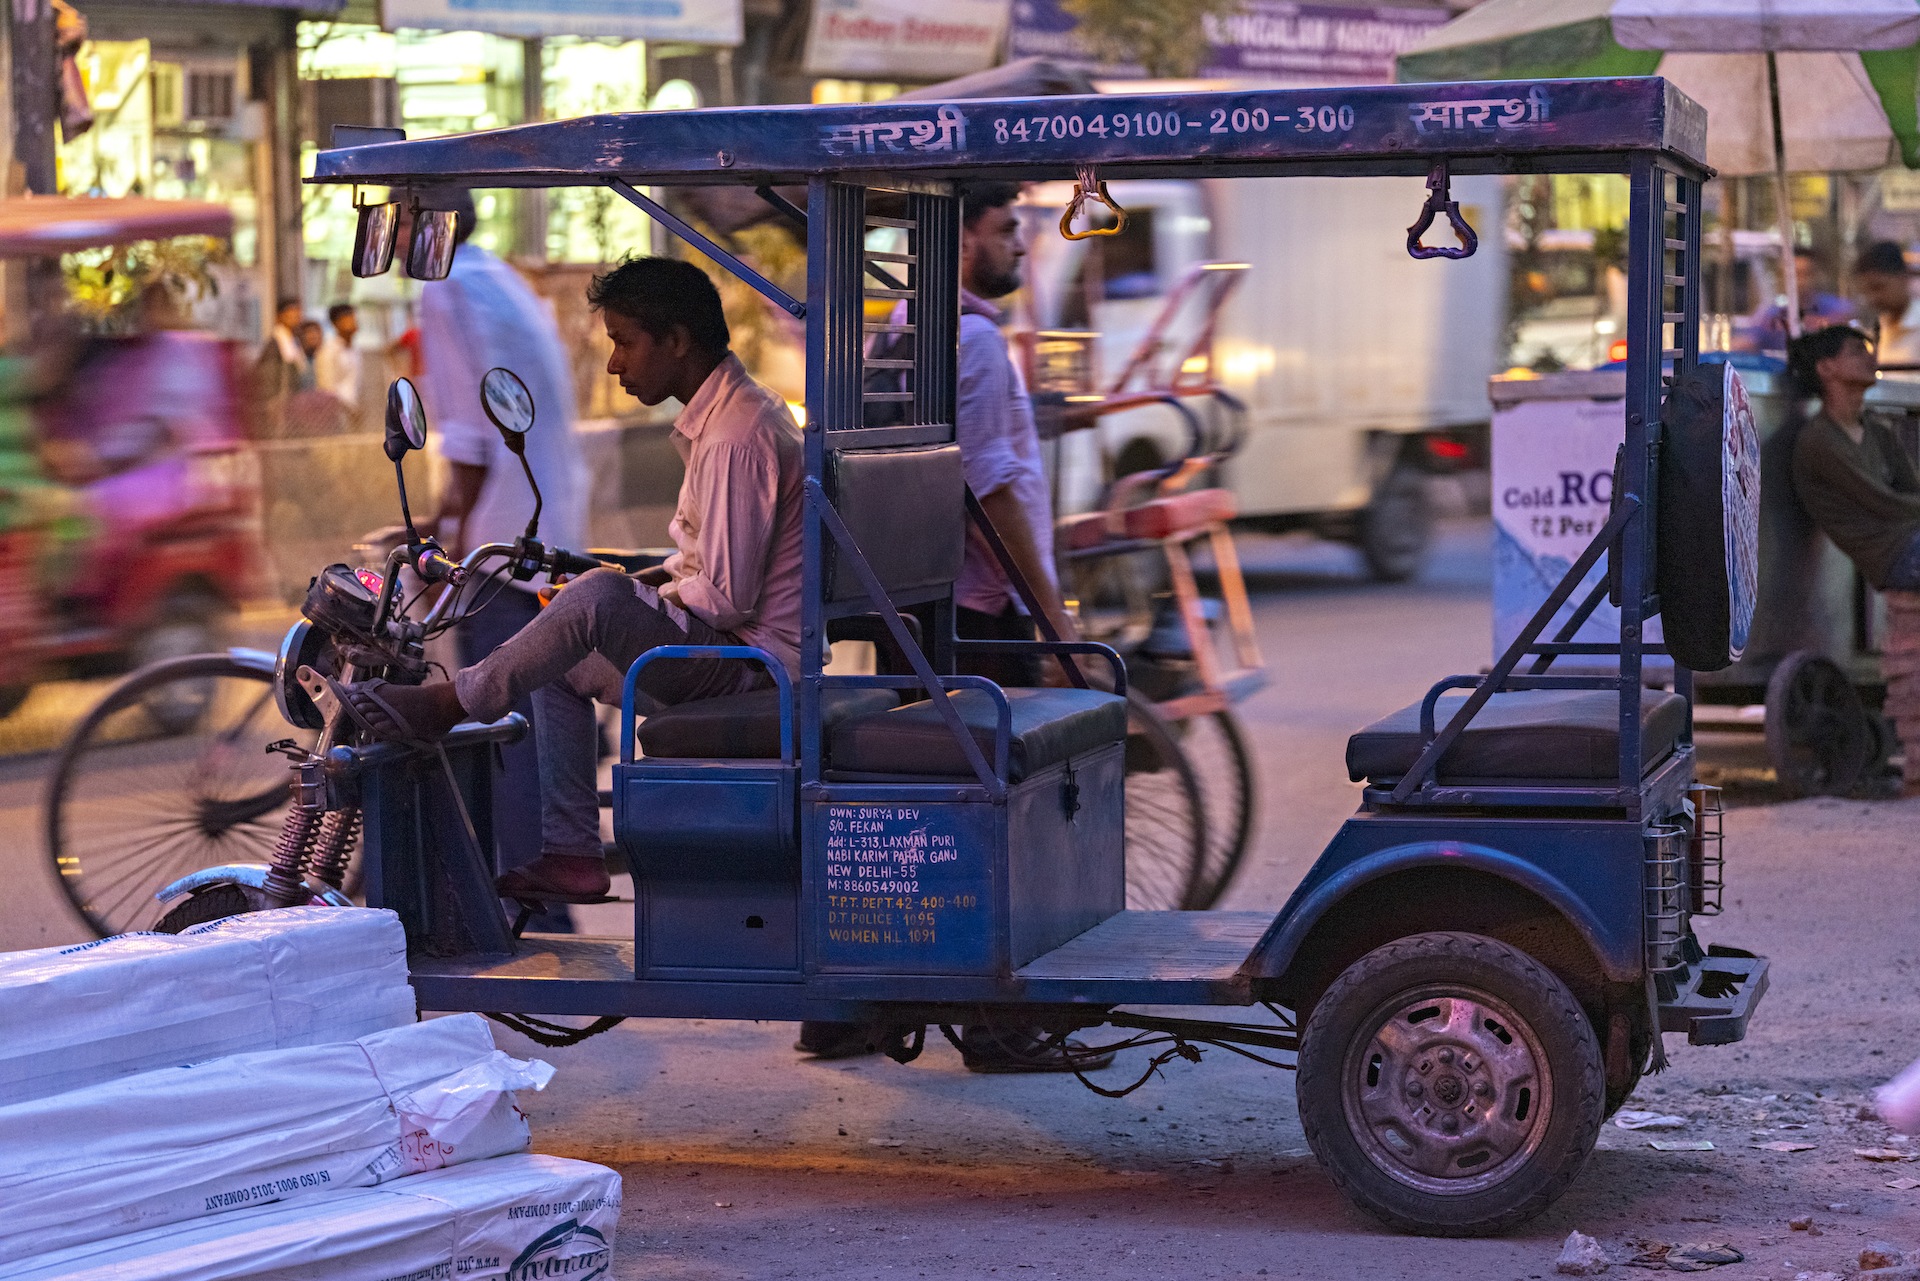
(1086, 188)
(1440, 201)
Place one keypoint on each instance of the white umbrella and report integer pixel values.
(1782, 80)
(1726, 53)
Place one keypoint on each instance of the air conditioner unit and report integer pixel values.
(369, 101)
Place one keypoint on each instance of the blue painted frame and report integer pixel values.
(1643, 128)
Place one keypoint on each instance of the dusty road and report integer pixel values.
(742, 1160)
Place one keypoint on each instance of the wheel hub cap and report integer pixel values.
(1447, 1092)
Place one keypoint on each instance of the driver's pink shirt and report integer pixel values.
(737, 525)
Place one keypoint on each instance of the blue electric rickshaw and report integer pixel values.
(1477, 969)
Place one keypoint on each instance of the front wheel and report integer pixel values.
(1450, 1085)
(133, 803)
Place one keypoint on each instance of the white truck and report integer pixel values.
(1348, 408)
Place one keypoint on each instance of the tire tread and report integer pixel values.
(1481, 950)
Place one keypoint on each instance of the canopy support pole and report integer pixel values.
(1783, 204)
(679, 227)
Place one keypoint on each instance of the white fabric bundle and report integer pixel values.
(76, 1016)
(514, 1217)
(182, 1143)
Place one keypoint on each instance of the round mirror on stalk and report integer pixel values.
(406, 420)
(406, 431)
(509, 404)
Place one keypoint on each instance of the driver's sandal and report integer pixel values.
(557, 878)
(399, 713)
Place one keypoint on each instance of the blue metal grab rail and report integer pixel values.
(750, 652)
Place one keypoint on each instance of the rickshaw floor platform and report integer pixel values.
(1168, 958)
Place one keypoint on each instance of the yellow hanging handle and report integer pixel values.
(1086, 188)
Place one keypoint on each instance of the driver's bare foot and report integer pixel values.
(557, 878)
(392, 712)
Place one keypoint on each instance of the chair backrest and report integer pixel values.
(906, 509)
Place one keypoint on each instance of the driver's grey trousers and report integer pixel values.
(579, 650)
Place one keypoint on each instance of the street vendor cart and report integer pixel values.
(1471, 977)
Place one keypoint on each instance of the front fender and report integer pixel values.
(1618, 955)
(251, 875)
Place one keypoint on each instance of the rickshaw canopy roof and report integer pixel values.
(1484, 127)
(36, 226)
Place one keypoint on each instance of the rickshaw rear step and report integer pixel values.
(1712, 998)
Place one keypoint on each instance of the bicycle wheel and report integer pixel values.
(134, 803)
(1217, 750)
(1166, 817)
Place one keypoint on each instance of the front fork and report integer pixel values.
(318, 834)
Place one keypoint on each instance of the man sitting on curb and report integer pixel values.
(1860, 487)
(735, 579)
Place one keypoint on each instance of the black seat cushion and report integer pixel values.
(745, 726)
(1049, 726)
(1525, 734)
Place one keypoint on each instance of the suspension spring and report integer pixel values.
(284, 886)
(338, 831)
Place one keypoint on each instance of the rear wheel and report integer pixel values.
(132, 806)
(1450, 1085)
(189, 624)
(1817, 733)
(1217, 750)
(1166, 823)
(1397, 526)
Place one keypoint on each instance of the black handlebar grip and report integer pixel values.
(436, 567)
(566, 562)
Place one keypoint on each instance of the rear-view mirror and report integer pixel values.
(430, 248)
(509, 404)
(406, 420)
(374, 237)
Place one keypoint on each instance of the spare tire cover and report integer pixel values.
(1708, 553)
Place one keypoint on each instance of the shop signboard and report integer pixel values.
(1554, 441)
(713, 22)
(899, 39)
(1269, 40)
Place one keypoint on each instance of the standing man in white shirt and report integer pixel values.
(336, 366)
(482, 315)
(1886, 285)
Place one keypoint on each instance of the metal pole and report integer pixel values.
(1783, 206)
(36, 92)
(531, 237)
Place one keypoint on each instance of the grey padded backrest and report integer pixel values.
(906, 508)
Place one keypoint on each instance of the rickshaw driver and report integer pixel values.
(734, 580)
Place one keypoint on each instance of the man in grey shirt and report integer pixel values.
(1000, 457)
(999, 448)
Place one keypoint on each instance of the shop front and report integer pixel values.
(198, 102)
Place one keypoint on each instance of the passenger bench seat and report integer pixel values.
(746, 726)
(1522, 735)
(913, 742)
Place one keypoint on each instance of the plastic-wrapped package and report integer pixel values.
(76, 1016)
(183, 1143)
(517, 1217)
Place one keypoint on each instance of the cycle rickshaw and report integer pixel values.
(1474, 973)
